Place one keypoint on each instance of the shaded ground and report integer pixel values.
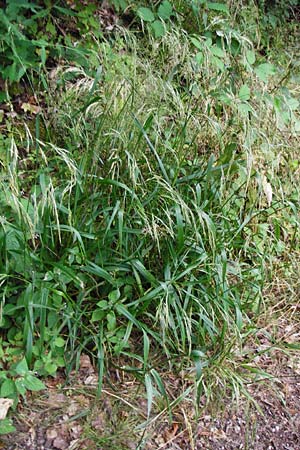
(73, 418)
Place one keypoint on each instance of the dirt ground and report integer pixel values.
(71, 417)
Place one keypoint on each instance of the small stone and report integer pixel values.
(60, 443)
(51, 433)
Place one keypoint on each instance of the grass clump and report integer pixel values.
(150, 217)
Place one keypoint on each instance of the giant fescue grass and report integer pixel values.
(144, 222)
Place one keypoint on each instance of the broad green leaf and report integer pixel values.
(264, 71)
(208, 41)
(217, 51)
(180, 226)
(22, 367)
(250, 56)
(165, 10)
(114, 296)
(224, 98)
(146, 14)
(158, 28)
(6, 426)
(293, 103)
(111, 321)
(33, 383)
(50, 368)
(7, 388)
(20, 386)
(218, 7)
(103, 304)
(244, 108)
(196, 43)
(59, 342)
(244, 93)
(218, 62)
(97, 315)
(199, 58)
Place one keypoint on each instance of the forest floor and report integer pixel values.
(261, 414)
(72, 417)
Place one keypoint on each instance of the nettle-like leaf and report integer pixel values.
(22, 367)
(33, 383)
(6, 426)
(146, 14)
(221, 7)
(217, 51)
(292, 103)
(158, 28)
(264, 71)
(250, 56)
(20, 386)
(244, 93)
(218, 63)
(7, 388)
(199, 58)
(111, 321)
(165, 10)
(114, 295)
(97, 315)
(196, 43)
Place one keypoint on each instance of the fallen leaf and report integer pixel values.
(91, 380)
(51, 433)
(76, 431)
(73, 408)
(267, 191)
(99, 422)
(5, 404)
(56, 400)
(171, 432)
(85, 362)
(60, 443)
(29, 107)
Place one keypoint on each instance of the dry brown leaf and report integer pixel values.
(5, 404)
(85, 362)
(51, 433)
(91, 380)
(76, 431)
(267, 191)
(60, 443)
(29, 107)
(56, 400)
(73, 408)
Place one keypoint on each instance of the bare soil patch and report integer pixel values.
(73, 418)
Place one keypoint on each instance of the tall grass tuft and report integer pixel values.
(142, 224)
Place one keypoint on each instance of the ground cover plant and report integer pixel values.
(149, 196)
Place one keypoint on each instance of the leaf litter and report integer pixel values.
(72, 417)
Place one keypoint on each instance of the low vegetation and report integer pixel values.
(149, 189)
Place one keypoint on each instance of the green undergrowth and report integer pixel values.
(143, 211)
